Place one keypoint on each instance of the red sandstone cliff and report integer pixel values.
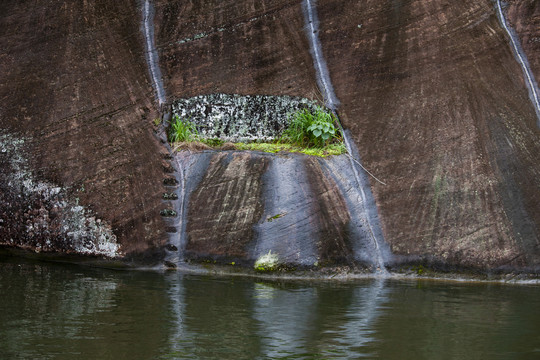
(431, 91)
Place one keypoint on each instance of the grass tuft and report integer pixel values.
(331, 149)
(182, 131)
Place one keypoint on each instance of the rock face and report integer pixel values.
(430, 90)
(74, 84)
(307, 211)
(438, 108)
(524, 18)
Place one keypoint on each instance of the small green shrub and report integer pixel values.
(182, 131)
(311, 128)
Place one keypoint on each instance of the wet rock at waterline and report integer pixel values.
(306, 211)
(239, 117)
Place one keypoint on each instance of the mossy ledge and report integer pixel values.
(254, 123)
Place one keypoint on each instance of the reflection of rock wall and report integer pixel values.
(239, 118)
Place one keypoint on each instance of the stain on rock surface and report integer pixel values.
(224, 207)
(74, 83)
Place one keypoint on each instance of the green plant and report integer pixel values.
(267, 262)
(182, 131)
(311, 128)
(214, 142)
(272, 218)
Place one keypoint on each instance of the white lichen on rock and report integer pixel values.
(37, 215)
(240, 118)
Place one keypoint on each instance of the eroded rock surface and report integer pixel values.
(437, 106)
(430, 90)
(524, 17)
(74, 84)
(249, 204)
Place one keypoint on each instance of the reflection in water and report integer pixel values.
(290, 317)
(285, 316)
(178, 333)
(357, 332)
(60, 311)
(34, 291)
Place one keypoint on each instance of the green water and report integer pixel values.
(54, 311)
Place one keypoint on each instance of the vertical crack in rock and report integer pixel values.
(325, 85)
(37, 216)
(152, 56)
(530, 82)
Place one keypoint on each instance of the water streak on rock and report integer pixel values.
(286, 227)
(151, 53)
(331, 101)
(323, 77)
(532, 85)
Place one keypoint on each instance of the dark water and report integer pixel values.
(68, 312)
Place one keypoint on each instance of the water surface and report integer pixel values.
(55, 311)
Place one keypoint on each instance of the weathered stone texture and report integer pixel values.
(332, 216)
(73, 81)
(524, 17)
(234, 47)
(249, 204)
(430, 90)
(437, 106)
(225, 206)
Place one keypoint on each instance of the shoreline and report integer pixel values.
(339, 274)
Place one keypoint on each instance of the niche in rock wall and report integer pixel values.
(239, 118)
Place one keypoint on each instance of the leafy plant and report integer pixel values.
(311, 128)
(322, 130)
(182, 131)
